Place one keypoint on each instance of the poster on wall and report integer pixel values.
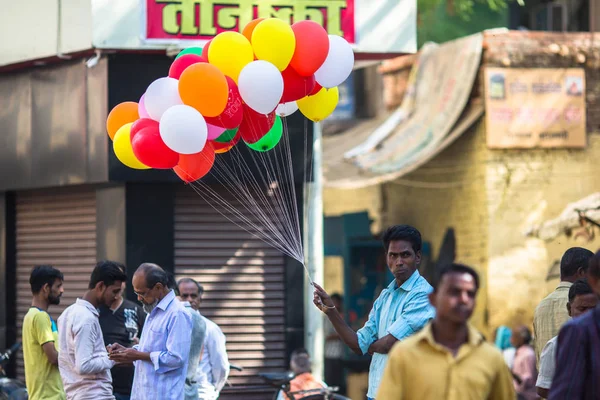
(541, 107)
(173, 21)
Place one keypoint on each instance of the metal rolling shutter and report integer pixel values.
(243, 280)
(56, 227)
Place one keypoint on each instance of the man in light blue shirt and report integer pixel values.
(401, 309)
(161, 357)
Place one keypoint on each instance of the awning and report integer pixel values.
(435, 112)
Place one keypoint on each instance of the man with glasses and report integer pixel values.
(161, 358)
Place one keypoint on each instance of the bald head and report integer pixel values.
(150, 284)
(152, 274)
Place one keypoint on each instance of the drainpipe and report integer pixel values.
(314, 340)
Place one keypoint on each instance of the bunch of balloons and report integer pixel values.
(238, 87)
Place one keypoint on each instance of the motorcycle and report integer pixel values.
(11, 389)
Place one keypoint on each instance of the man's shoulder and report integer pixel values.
(422, 285)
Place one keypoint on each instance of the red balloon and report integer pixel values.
(205, 49)
(317, 89)
(180, 64)
(312, 47)
(225, 147)
(141, 124)
(192, 167)
(233, 114)
(148, 146)
(254, 125)
(295, 86)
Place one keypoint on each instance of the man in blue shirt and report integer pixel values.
(161, 358)
(401, 309)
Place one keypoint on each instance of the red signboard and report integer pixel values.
(177, 20)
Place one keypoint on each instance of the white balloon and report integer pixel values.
(286, 109)
(161, 95)
(183, 129)
(261, 86)
(338, 64)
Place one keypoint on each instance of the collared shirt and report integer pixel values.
(398, 311)
(83, 360)
(550, 315)
(420, 368)
(214, 366)
(577, 375)
(524, 368)
(166, 336)
(547, 364)
(198, 337)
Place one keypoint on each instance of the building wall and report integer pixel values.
(341, 201)
(44, 28)
(525, 187)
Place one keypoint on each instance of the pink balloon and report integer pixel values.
(214, 131)
(142, 107)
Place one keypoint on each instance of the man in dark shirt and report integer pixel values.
(577, 375)
(122, 323)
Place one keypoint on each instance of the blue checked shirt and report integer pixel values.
(399, 311)
(167, 337)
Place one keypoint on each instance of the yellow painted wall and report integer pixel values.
(525, 187)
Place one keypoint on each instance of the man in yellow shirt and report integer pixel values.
(448, 359)
(40, 336)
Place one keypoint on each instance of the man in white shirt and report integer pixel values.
(214, 366)
(581, 300)
(83, 360)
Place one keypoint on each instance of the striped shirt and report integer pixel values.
(550, 315)
(167, 337)
(399, 311)
(577, 375)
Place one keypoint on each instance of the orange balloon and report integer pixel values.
(248, 29)
(122, 114)
(192, 167)
(204, 87)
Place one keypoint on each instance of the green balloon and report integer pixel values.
(190, 50)
(271, 139)
(227, 136)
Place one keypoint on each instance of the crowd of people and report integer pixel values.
(423, 346)
(112, 348)
(419, 336)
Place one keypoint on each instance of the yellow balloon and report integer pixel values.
(123, 149)
(230, 52)
(273, 40)
(321, 105)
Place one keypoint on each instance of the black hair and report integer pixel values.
(154, 274)
(573, 259)
(402, 232)
(107, 272)
(43, 274)
(337, 296)
(172, 283)
(455, 268)
(195, 282)
(579, 288)
(525, 334)
(594, 265)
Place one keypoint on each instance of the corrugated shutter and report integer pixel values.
(243, 280)
(56, 227)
